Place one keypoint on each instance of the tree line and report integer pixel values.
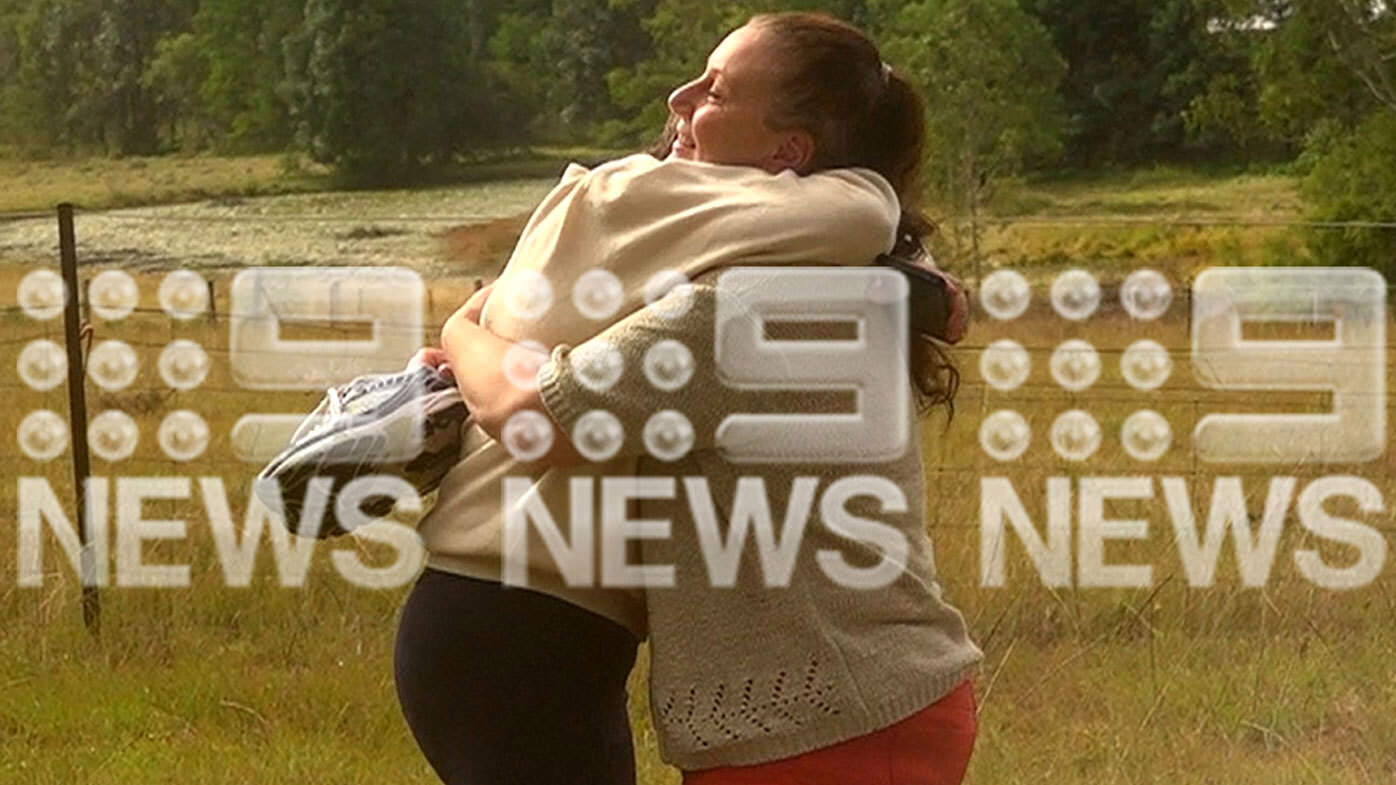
(385, 89)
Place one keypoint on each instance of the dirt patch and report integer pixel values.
(485, 245)
(371, 232)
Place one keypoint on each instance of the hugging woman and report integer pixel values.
(797, 146)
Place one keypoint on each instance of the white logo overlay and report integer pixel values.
(757, 348)
(1345, 360)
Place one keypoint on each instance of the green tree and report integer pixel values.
(1353, 179)
(175, 75)
(1111, 87)
(53, 101)
(1302, 79)
(1292, 79)
(1136, 67)
(1353, 173)
(125, 44)
(241, 94)
(221, 79)
(80, 81)
(557, 57)
(12, 125)
(989, 75)
(1363, 35)
(382, 89)
(1189, 53)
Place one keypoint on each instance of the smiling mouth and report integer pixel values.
(683, 141)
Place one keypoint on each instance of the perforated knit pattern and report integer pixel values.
(757, 707)
(751, 673)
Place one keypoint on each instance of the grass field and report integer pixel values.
(104, 183)
(1287, 683)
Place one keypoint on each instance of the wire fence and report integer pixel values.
(149, 328)
(959, 463)
(173, 214)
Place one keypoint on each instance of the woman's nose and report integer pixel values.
(681, 100)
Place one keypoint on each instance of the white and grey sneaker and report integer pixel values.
(406, 424)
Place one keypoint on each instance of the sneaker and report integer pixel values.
(406, 424)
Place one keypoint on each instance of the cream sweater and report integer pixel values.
(634, 218)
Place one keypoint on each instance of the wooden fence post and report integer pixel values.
(77, 416)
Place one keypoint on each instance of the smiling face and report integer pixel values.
(722, 115)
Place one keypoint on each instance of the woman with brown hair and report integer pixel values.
(828, 657)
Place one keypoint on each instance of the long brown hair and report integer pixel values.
(860, 112)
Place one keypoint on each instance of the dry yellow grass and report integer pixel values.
(103, 182)
(99, 183)
(1282, 684)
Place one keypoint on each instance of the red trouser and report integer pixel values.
(931, 747)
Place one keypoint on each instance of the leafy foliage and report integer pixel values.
(989, 75)
(1294, 77)
(1133, 66)
(385, 89)
(1354, 179)
(559, 58)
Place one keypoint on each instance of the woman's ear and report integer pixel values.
(795, 151)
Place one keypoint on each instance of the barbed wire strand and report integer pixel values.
(136, 214)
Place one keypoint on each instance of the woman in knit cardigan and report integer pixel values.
(832, 670)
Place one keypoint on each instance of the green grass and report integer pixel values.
(98, 183)
(1285, 684)
(101, 183)
(1175, 220)
(1158, 192)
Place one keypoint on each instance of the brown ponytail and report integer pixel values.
(861, 113)
(895, 142)
(835, 85)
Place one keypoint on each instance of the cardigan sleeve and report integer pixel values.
(653, 368)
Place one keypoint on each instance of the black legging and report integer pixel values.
(507, 686)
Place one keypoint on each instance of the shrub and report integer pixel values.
(1353, 178)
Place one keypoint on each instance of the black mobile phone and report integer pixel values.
(929, 299)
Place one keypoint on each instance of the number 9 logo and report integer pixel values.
(873, 363)
(264, 300)
(1352, 365)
